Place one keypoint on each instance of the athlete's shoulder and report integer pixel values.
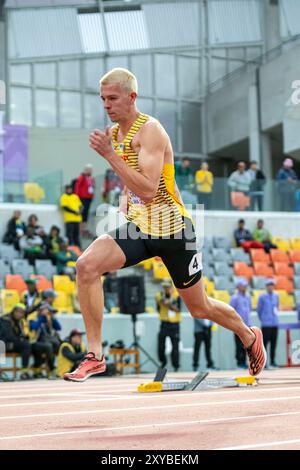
(153, 126)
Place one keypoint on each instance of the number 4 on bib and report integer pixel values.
(195, 264)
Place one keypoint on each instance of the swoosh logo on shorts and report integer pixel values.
(187, 283)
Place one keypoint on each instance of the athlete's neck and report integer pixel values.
(126, 123)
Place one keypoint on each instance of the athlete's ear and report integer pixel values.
(108, 132)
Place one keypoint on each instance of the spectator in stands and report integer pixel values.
(71, 353)
(202, 333)
(65, 258)
(258, 181)
(168, 305)
(110, 287)
(31, 298)
(33, 222)
(85, 190)
(15, 230)
(184, 174)
(49, 296)
(239, 182)
(204, 180)
(32, 246)
(52, 243)
(244, 238)
(72, 208)
(13, 334)
(262, 235)
(286, 184)
(241, 302)
(112, 188)
(267, 310)
(43, 330)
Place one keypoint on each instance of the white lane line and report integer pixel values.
(62, 394)
(262, 444)
(68, 386)
(141, 408)
(154, 426)
(211, 403)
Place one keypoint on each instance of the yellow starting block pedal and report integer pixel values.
(150, 387)
(248, 380)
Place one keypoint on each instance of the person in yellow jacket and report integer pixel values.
(204, 180)
(168, 305)
(71, 353)
(72, 208)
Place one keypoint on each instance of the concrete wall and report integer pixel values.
(62, 149)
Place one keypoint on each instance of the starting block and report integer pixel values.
(199, 382)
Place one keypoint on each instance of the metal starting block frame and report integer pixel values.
(199, 382)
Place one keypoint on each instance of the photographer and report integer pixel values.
(168, 305)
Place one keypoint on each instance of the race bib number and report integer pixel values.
(195, 264)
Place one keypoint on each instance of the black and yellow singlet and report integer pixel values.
(163, 216)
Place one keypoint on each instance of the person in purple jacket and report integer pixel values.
(267, 310)
(241, 302)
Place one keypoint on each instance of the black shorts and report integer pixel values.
(178, 251)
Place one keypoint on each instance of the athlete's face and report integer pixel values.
(117, 101)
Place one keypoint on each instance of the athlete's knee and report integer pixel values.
(85, 268)
(92, 263)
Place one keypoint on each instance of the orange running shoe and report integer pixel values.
(90, 365)
(256, 353)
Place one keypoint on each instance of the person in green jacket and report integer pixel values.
(263, 236)
(65, 258)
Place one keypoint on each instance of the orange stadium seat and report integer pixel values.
(262, 269)
(260, 255)
(295, 256)
(283, 269)
(242, 269)
(76, 250)
(16, 282)
(278, 256)
(282, 283)
(42, 282)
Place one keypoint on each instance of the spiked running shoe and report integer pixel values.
(90, 365)
(256, 353)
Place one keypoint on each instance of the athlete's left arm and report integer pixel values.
(153, 142)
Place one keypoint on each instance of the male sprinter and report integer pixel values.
(139, 150)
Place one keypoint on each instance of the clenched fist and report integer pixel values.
(101, 142)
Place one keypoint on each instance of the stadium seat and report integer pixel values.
(222, 242)
(15, 282)
(208, 271)
(254, 297)
(224, 283)
(63, 283)
(45, 268)
(42, 282)
(223, 268)
(259, 282)
(282, 244)
(160, 271)
(278, 256)
(295, 243)
(297, 268)
(242, 269)
(209, 285)
(238, 254)
(33, 192)
(294, 256)
(63, 302)
(4, 270)
(262, 269)
(22, 267)
(297, 282)
(221, 295)
(8, 253)
(259, 255)
(286, 301)
(283, 269)
(9, 298)
(207, 243)
(297, 296)
(282, 283)
(220, 254)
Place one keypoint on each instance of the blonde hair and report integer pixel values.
(124, 77)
